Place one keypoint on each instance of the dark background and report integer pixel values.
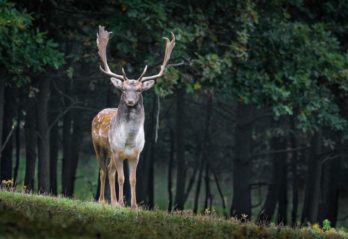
(251, 113)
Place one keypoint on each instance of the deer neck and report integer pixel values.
(130, 115)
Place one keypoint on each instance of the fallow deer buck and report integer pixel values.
(118, 133)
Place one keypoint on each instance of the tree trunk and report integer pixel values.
(44, 136)
(54, 141)
(180, 151)
(198, 187)
(54, 146)
(170, 166)
(328, 207)
(295, 183)
(2, 104)
(267, 211)
(208, 195)
(18, 144)
(283, 190)
(30, 143)
(241, 202)
(312, 190)
(7, 138)
(74, 150)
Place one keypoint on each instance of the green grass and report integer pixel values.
(35, 216)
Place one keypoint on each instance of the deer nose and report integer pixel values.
(130, 102)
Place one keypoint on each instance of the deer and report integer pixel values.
(118, 133)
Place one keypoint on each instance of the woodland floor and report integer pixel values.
(35, 216)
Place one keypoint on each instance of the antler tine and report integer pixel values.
(142, 74)
(124, 74)
(102, 42)
(168, 51)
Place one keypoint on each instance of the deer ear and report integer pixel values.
(148, 84)
(117, 83)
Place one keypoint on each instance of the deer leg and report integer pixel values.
(112, 174)
(133, 180)
(102, 175)
(120, 174)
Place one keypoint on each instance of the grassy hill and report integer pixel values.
(35, 216)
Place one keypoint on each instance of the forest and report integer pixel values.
(250, 119)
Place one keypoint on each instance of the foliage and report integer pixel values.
(42, 216)
(24, 48)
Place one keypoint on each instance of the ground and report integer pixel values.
(36, 216)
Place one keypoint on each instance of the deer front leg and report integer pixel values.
(133, 180)
(120, 173)
(112, 174)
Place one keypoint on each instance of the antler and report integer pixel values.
(169, 47)
(102, 42)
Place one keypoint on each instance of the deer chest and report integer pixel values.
(127, 138)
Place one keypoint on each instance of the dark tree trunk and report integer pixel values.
(44, 136)
(54, 145)
(66, 140)
(2, 104)
(208, 196)
(295, 183)
(180, 151)
(312, 190)
(71, 165)
(267, 211)
(30, 143)
(283, 190)
(328, 207)
(18, 144)
(7, 138)
(241, 202)
(220, 193)
(198, 187)
(54, 141)
(170, 166)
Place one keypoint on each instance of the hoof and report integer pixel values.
(134, 207)
(115, 204)
(102, 201)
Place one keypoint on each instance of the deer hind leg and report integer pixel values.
(102, 176)
(112, 174)
(133, 180)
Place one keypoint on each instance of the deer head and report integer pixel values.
(131, 88)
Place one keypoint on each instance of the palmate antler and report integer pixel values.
(102, 42)
(168, 51)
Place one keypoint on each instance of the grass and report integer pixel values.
(36, 216)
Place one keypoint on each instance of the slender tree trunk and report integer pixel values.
(220, 193)
(241, 202)
(71, 166)
(312, 190)
(208, 195)
(328, 207)
(170, 166)
(293, 164)
(54, 145)
(44, 136)
(283, 190)
(180, 151)
(18, 144)
(198, 187)
(54, 142)
(9, 112)
(30, 143)
(2, 104)
(267, 211)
